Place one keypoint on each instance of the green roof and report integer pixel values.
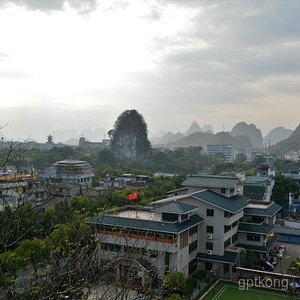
(265, 248)
(159, 226)
(228, 257)
(268, 211)
(262, 228)
(210, 181)
(175, 208)
(232, 204)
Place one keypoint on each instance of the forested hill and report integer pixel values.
(130, 136)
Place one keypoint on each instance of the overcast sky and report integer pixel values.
(77, 64)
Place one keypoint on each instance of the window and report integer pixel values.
(193, 246)
(169, 217)
(208, 266)
(227, 228)
(227, 214)
(209, 246)
(234, 238)
(184, 237)
(209, 229)
(210, 212)
(227, 243)
(253, 237)
(234, 224)
(223, 190)
(192, 266)
(193, 230)
(184, 217)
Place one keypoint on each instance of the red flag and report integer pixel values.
(133, 196)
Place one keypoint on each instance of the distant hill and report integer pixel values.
(167, 138)
(204, 138)
(193, 128)
(276, 135)
(292, 143)
(72, 142)
(207, 128)
(249, 130)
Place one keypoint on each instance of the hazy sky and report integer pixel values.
(77, 64)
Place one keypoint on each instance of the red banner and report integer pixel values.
(133, 196)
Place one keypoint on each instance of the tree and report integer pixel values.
(283, 186)
(174, 282)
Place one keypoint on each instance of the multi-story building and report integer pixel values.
(258, 188)
(72, 175)
(206, 225)
(147, 243)
(225, 149)
(256, 228)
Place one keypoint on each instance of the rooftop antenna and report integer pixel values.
(223, 127)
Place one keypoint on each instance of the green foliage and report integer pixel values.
(294, 268)
(174, 282)
(283, 186)
(189, 285)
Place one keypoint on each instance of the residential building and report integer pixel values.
(225, 149)
(149, 242)
(258, 188)
(69, 176)
(292, 170)
(206, 225)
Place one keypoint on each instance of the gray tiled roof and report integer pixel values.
(262, 228)
(232, 204)
(175, 208)
(269, 211)
(228, 257)
(158, 226)
(210, 181)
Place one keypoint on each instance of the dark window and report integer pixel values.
(210, 212)
(223, 190)
(209, 246)
(192, 266)
(234, 238)
(209, 229)
(208, 266)
(227, 228)
(193, 246)
(227, 243)
(169, 217)
(227, 214)
(253, 237)
(184, 217)
(234, 224)
(193, 230)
